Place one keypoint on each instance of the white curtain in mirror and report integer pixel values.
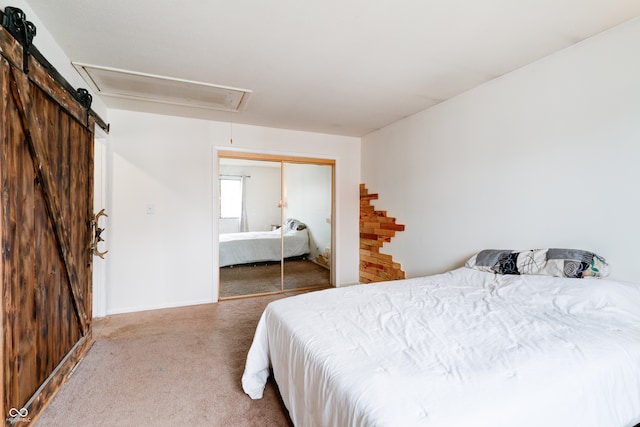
(244, 219)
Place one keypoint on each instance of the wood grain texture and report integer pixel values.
(376, 228)
(27, 109)
(4, 224)
(46, 175)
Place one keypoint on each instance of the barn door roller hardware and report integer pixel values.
(96, 231)
(84, 97)
(15, 21)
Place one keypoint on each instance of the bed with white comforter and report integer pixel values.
(463, 348)
(262, 246)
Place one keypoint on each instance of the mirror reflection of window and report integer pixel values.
(230, 197)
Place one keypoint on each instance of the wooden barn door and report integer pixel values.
(46, 176)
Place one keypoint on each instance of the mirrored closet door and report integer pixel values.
(275, 224)
(307, 212)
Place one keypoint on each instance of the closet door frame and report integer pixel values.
(283, 159)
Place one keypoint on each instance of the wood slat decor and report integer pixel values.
(376, 228)
(46, 175)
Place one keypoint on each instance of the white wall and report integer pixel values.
(99, 202)
(546, 156)
(169, 258)
(308, 198)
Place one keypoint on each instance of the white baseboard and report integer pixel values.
(159, 306)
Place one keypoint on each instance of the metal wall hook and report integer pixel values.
(96, 233)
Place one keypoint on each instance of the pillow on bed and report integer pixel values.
(294, 224)
(572, 263)
(575, 263)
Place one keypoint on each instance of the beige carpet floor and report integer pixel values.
(250, 279)
(169, 367)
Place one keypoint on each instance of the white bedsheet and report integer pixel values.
(456, 349)
(260, 246)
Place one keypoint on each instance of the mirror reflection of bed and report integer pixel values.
(281, 237)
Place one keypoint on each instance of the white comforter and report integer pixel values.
(260, 246)
(464, 348)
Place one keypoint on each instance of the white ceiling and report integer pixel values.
(344, 67)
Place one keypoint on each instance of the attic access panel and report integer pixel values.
(149, 87)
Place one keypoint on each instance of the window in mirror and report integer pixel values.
(230, 197)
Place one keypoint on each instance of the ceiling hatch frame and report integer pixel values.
(115, 82)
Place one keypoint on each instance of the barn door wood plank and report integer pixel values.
(23, 356)
(5, 229)
(80, 197)
(4, 99)
(20, 88)
(45, 267)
